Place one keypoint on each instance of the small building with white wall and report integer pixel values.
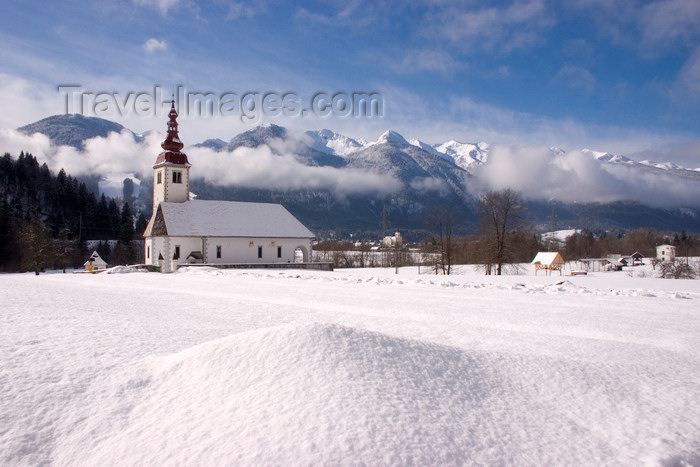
(183, 231)
(666, 252)
(95, 262)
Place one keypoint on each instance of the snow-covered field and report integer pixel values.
(270, 367)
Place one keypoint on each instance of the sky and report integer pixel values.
(620, 76)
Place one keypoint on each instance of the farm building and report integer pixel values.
(548, 261)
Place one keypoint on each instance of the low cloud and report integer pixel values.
(574, 176)
(425, 184)
(262, 167)
(117, 153)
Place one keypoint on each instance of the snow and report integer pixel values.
(210, 366)
(560, 235)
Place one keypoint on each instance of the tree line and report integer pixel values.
(46, 219)
(504, 239)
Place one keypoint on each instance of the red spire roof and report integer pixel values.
(172, 144)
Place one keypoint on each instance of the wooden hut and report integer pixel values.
(548, 261)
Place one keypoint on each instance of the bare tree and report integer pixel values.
(441, 225)
(676, 270)
(37, 247)
(499, 212)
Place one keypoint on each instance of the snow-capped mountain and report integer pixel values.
(420, 177)
(430, 148)
(607, 157)
(333, 143)
(465, 155)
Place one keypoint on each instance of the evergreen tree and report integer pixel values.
(126, 225)
(141, 224)
(126, 252)
(66, 249)
(114, 220)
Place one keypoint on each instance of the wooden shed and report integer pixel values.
(548, 261)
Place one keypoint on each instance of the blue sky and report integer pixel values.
(620, 76)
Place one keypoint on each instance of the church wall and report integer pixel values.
(248, 250)
(233, 250)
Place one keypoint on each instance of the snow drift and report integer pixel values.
(211, 367)
(323, 393)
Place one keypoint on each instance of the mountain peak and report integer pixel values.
(261, 134)
(393, 138)
(330, 142)
(72, 129)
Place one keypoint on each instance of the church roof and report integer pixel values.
(200, 218)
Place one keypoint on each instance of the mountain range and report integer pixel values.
(408, 178)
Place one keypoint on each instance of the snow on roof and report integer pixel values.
(199, 218)
(548, 257)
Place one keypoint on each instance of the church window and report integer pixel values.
(159, 177)
(259, 252)
(218, 251)
(148, 252)
(279, 251)
(177, 177)
(177, 252)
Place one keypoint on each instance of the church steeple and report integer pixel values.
(172, 145)
(171, 172)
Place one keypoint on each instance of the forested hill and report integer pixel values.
(55, 213)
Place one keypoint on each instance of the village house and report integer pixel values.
(666, 252)
(183, 231)
(95, 262)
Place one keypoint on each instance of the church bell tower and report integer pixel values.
(171, 172)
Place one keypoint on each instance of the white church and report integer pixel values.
(183, 231)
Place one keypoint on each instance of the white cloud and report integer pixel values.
(161, 5)
(577, 78)
(245, 9)
(500, 29)
(688, 79)
(668, 22)
(428, 60)
(153, 44)
(262, 168)
(24, 102)
(245, 167)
